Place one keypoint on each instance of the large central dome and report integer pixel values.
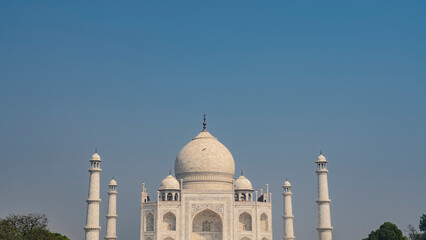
(205, 163)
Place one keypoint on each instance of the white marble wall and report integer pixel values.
(196, 205)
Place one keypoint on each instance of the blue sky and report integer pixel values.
(279, 80)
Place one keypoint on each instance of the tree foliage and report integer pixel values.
(27, 227)
(57, 236)
(422, 224)
(387, 231)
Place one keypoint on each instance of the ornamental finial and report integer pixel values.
(204, 123)
(96, 150)
(242, 172)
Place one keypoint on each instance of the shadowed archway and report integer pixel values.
(207, 225)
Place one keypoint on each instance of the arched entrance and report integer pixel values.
(169, 222)
(207, 225)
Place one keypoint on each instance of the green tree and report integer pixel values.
(27, 227)
(57, 236)
(422, 224)
(387, 231)
(7, 232)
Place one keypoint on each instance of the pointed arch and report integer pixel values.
(149, 222)
(207, 225)
(264, 226)
(245, 222)
(169, 222)
(169, 196)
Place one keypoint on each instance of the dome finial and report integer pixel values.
(204, 123)
(320, 152)
(242, 172)
(96, 150)
(170, 172)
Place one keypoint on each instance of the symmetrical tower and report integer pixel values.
(324, 220)
(288, 212)
(93, 201)
(111, 231)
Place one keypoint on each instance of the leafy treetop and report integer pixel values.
(387, 231)
(31, 226)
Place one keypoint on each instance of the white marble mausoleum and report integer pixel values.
(204, 201)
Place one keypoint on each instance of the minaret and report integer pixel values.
(144, 200)
(324, 220)
(111, 231)
(288, 212)
(93, 201)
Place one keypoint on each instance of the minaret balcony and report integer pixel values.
(323, 201)
(92, 228)
(324, 228)
(321, 171)
(95, 170)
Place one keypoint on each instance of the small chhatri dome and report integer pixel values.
(113, 182)
(169, 183)
(205, 163)
(321, 158)
(242, 183)
(287, 183)
(96, 157)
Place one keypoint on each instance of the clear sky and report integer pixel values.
(279, 80)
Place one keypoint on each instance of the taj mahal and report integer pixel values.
(204, 201)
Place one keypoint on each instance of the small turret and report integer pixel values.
(243, 189)
(169, 189)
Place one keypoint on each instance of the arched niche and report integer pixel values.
(168, 238)
(245, 222)
(207, 225)
(149, 222)
(169, 197)
(169, 222)
(264, 223)
(245, 238)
